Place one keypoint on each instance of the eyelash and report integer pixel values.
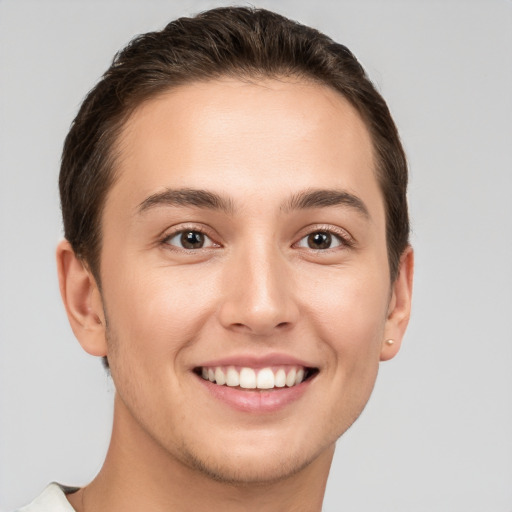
(343, 238)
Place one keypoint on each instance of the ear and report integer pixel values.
(82, 300)
(399, 309)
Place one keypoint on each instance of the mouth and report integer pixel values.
(249, 378)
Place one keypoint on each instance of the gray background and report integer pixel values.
(437, 433)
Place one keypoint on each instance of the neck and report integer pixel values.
(139, 474)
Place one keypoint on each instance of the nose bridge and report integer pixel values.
(259, 294)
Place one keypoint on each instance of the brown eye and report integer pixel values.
(190, 240)
(321, 240)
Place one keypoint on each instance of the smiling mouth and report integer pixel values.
(274, 377)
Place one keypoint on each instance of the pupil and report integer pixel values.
(319, 241)
(192, 240)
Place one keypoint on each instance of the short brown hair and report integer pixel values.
(233, 41)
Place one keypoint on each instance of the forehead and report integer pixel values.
(244, 137)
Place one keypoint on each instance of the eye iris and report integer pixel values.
(319, 240)
(192, 240)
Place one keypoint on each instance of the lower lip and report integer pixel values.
(254, 400)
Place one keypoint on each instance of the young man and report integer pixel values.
(234, 201)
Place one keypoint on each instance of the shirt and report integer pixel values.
(52, 499)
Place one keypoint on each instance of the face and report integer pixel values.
(245, 279)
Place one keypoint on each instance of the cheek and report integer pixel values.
(155, 312)
(349, 311)
(348, 302)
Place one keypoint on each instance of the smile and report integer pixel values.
(256, 378)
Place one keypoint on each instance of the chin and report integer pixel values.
(243, 462)
(246, 470)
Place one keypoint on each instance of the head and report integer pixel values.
(234, 197)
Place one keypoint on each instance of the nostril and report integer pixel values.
(242, 327)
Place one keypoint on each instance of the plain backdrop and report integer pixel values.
(436, 435)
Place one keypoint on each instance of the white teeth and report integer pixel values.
(220, 378)
(247, 378)
(265, 379)
(280, 379)
(290, 378)
(232, 377)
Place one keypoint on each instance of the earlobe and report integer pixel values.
(399, 310)
(82, 300)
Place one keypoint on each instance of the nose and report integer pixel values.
(258, 296)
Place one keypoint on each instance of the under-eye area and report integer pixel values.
(274, 377)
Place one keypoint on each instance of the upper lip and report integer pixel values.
(252, 361)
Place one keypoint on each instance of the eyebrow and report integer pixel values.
(321, 198)
(311, 198)
(187, 197)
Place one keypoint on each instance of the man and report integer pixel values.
(234, 201)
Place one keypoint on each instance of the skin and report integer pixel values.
(256, 288)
